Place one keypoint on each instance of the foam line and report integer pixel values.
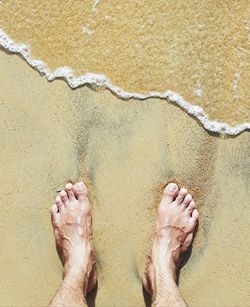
(103, 81)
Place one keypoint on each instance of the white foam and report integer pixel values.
(103, 81)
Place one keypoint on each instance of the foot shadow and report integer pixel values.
(91, 296)
(146, 297)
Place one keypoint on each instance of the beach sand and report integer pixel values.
(124, 151)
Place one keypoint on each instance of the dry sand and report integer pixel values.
(124, 150)
(198, 49)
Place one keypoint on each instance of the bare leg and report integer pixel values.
(71, 221)
(175, 225)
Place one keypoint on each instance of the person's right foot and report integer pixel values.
(175, 226)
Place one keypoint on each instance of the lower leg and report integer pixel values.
(72, 290)
(166, 292)
(175, 225)
(68, 295)
(71, 221)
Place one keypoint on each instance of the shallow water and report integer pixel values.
(198, 50)
(124, 150)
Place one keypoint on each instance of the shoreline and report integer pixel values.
(102, 81)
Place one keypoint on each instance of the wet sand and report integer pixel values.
(198, 49)
(124, 150)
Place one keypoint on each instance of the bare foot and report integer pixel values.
(175, 225)
(71, 220)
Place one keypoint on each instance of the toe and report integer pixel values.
(64, 197)
(54, 214)
(169, 195)
(59, 202)
(181, 195)
(80, 190)
(195, 216)
(171, 191)
(70, 191)
(191, 207)
(188, 198)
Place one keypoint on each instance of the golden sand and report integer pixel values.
(198, 49)
(50, 134)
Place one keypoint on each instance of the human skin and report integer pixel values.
(71, 220)
(175, 225)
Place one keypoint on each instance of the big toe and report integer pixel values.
(170, 192)
(80, 190)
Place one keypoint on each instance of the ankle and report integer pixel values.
(165, 266)
(73, 280)
(74, 274)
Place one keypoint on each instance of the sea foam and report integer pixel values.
(101, 80)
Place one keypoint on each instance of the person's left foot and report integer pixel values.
(71, 221)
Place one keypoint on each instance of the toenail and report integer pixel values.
(172, 186)
(79, 185)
